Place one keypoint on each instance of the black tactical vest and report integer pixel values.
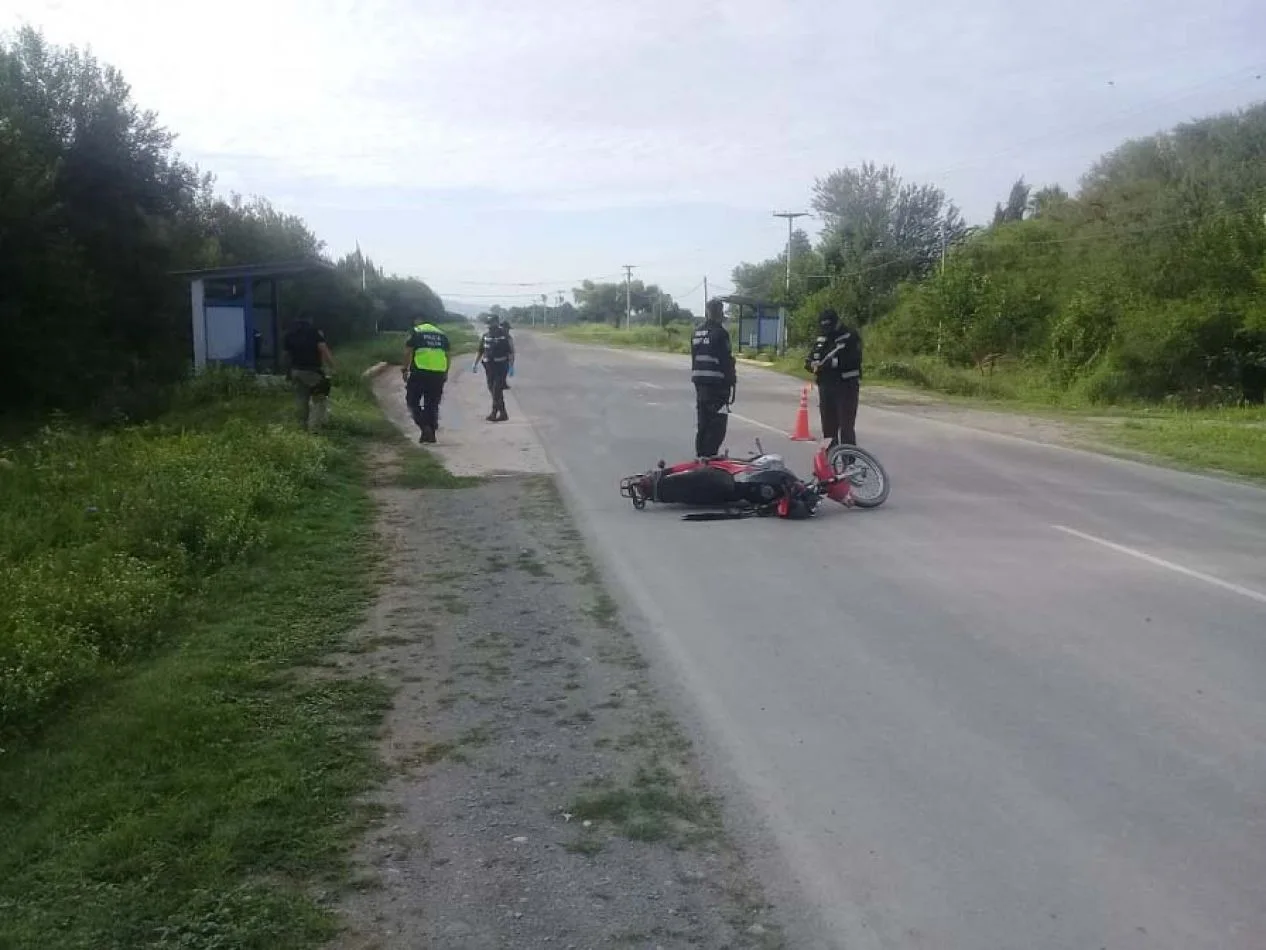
(710, 360)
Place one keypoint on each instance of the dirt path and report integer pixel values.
(539, 795)
(467, 444)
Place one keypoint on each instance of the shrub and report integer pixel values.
(99, 533)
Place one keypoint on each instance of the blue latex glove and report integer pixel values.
(474, 367)
(511, 369)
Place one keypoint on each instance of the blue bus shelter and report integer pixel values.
(759, 323)
(235, 317)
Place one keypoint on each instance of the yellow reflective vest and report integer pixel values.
(430, 348)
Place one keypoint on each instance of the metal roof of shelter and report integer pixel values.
(257, 271)
(746, 301)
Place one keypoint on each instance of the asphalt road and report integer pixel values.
(1023, 705)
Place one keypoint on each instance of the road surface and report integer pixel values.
(1021, 706)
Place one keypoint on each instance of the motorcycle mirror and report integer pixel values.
(759, 449)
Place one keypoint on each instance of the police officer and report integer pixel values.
(496, 353)
(505, 326)
(712, 371)
(425, 375)
(836, 362)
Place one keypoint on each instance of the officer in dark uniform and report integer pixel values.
(712, 371)
(496, 353)
(505, 328)
(836, 362)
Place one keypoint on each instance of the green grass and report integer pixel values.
(1232, 441)
(177, 767)
(388, 347)
(192, 800)
(671, 339)
(420, 469)
(652, 807)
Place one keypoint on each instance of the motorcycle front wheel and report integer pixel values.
(867, 478)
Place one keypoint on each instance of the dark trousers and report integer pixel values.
(422, 394)
(712, 419)
(837, 403)
(496, 374)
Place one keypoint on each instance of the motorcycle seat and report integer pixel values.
(698, 486)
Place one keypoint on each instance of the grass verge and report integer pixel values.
(173, 772)
(420, 469)
(1232, 441)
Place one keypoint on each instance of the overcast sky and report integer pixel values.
(480, 143)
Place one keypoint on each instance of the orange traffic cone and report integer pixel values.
(801, 432)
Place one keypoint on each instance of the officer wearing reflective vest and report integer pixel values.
(425, 373)
(836, 363)
(496, 353)
(712, 371)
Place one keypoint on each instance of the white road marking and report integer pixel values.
(647, 385)
(758, 423)
(1168, 565)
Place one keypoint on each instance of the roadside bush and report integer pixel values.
(66, 613)
(100, 533)
(903, 372)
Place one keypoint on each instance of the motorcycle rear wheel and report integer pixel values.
(867, 478)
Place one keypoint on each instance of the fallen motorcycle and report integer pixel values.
(762, 485)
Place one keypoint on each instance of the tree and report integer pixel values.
(1017, 204)
(768, 279)
(1046, 201)
(879, 231)
(96, 211)
(606, 303)
(1148, 283)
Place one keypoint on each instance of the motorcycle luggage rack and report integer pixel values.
(629, 489)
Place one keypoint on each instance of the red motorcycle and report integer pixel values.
(762, 485)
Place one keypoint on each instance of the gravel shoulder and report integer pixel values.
(539, 794)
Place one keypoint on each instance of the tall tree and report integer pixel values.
(880, 230)
(768, 279)
(96, 211)
(1017, 204)
(1047, 200)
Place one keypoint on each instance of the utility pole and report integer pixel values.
(628, 295)
(791, 218)
(938, 319)
(544, 313)
(705, 295)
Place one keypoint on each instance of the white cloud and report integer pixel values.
(583, 104)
